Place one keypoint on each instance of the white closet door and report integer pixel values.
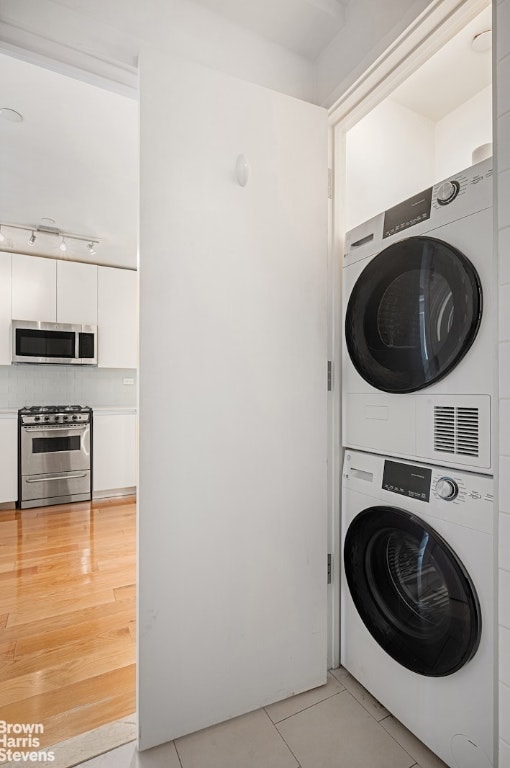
(233, 380)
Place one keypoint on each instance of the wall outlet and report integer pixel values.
(128, 381)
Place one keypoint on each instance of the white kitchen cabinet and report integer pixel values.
(9, 463)
(114, 451)
(5, 308)
(34, 288)
(117, 310)
(76, 292)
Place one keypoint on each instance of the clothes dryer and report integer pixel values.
(417, 589)
(419, 326)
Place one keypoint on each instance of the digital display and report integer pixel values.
(407, 480)
(407, 214)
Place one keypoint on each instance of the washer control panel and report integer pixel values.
(407, 480)
(447, 192)
(447, 488)
(428, 484)
(436, 492)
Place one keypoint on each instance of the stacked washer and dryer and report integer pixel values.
(417, 584)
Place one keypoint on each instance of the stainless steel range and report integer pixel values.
(55, 455)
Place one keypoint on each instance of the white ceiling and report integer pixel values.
(452, 76)
(302, 26)
(74, 157)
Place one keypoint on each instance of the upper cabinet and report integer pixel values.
(76, 292)
(34, 288)
(53, 291)
(117, 318)
(60, 291)
(5, 308)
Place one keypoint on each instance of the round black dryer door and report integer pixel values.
(413, 314)
(412, 592)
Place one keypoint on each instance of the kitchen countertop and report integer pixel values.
(114, 409)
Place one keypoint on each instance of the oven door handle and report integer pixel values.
(55, 477)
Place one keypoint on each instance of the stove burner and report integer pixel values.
(55, 409)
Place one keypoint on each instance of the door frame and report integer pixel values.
(434, 27)
(440, 21)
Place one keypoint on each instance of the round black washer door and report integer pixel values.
(412, 592)
(413, 314)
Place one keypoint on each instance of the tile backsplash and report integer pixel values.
(66, 384)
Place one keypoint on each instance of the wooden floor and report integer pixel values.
(67, 616)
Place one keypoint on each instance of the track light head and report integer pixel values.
(46, 232)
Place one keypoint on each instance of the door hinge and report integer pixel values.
(330, 183)
(330, 567)
(330, 375)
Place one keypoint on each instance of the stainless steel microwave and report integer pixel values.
(55, 343)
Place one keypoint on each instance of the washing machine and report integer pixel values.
(417, 586)
(419, 326)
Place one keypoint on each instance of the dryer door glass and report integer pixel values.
(412, 592)
(413, 314)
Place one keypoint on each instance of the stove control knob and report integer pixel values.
(447, 489)
(37, 418)
(447, 192)
(74, 417)
(46, 418)
(65, 418)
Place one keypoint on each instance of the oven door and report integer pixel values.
(38, 490)
(57, 449)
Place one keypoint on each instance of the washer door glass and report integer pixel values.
(413, 314)
(412, 592)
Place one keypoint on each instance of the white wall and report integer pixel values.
(459, 133)
(371, 26)
(502, 113)
(390, 156)
(115, 30)
(394, 152)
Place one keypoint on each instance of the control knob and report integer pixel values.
(74, 417)
(447, 489)
(447, 192)
(65, 418)
(46, 418)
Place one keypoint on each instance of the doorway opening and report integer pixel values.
(68, 572)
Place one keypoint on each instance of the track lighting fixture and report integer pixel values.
(49, 231)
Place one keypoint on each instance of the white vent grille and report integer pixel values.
(456, 430)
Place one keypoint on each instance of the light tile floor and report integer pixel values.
(339, 725)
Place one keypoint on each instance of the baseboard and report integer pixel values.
(115, 493)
